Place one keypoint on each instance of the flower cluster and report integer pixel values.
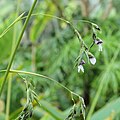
(96, 41)
(92, 60)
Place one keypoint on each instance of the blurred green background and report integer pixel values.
(50, 47)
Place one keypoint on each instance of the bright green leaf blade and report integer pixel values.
(107, 110)
(54, 112)
(11, 25)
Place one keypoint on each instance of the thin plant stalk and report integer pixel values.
(42, 76)
(64, 20)
(10, 76)
(95, 100)
(8, 97)
(11, 25)
(17, 44)
(100, 88)
(51, 79)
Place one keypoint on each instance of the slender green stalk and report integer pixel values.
(85, 21)
(43, 14)
(12, 24)
(52, 16)
(43, 76)
(10, 77)
(62, 19)
(95, 100)
(55, 81)
(17, 44)
(8, 97)
(101, 87)
(69, 23)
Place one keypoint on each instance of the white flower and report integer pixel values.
(99, 43)
(92, 60)
(80, 68)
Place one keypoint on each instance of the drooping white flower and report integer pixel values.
(92, 60)
(80, 66)
(99, 43)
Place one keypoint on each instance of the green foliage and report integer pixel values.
(40, 22)
(109, 111)
(56, 48)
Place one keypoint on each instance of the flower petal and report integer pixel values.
(98, 41)
(80, 68)
(93, 60)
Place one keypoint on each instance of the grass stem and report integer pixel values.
(15, 49)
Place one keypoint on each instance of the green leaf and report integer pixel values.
(54, 112)
(109, 109)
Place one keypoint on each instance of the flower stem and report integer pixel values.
(15, 49)
(43, 76)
